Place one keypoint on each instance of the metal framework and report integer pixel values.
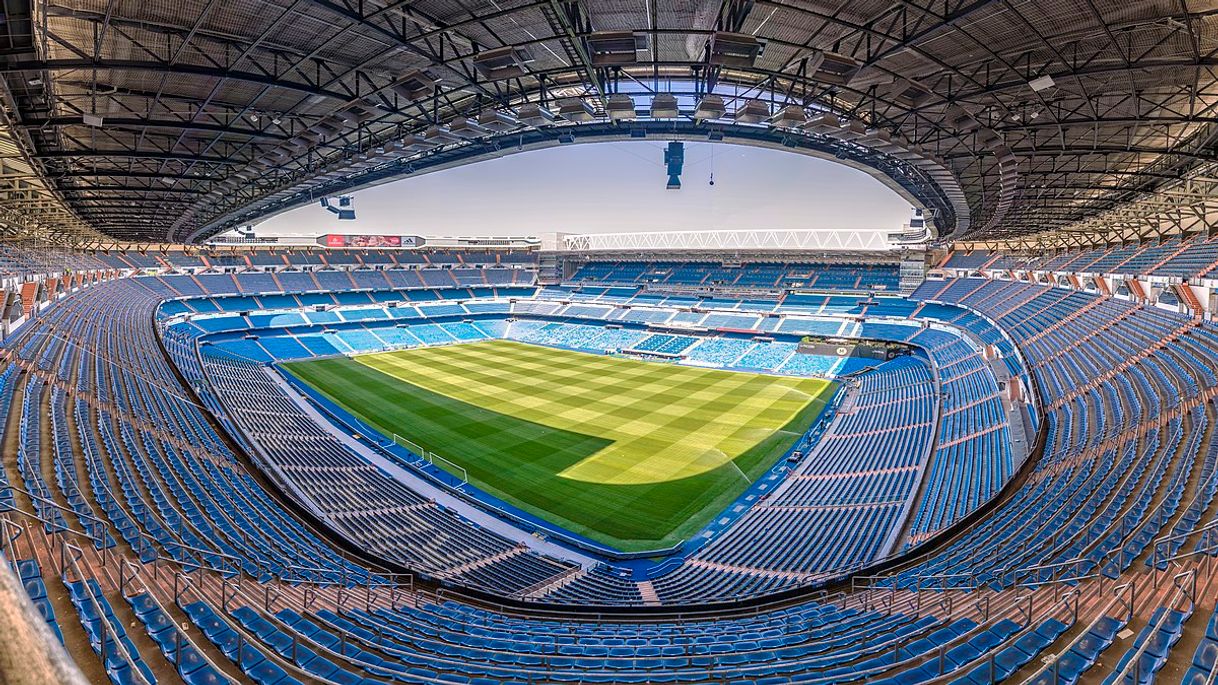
(348, 174)
(1048, 122)
(729, 241)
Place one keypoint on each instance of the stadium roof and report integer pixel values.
(171, 121)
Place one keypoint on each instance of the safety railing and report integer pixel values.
(1184, 599)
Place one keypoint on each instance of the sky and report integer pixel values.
(618, 186)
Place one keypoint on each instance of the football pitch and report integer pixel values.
(633, 454)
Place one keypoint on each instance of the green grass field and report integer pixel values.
(636, 455)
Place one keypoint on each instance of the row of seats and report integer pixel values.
(749, 275)
(1115, 391)
(196, 485)
(840, 506)
(973, 458)
(371, 258)
(1174, 257)
(376, 511)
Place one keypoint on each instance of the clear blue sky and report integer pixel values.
(604, 187)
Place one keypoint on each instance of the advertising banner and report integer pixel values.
(362, 240)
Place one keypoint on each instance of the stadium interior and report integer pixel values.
(979, 447)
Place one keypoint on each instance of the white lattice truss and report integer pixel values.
(772, 239)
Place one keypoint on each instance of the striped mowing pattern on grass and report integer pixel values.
(633, 454)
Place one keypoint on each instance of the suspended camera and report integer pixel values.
(674, 157)
(345, 207)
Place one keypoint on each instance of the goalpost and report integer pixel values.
(431, 458)
(403, 442)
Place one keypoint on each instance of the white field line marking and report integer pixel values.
(737, 467)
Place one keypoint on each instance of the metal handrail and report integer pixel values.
(1186, 591)
(136, 574)
(1117, 600)
(69, 557)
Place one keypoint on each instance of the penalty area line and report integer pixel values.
(738, 470)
